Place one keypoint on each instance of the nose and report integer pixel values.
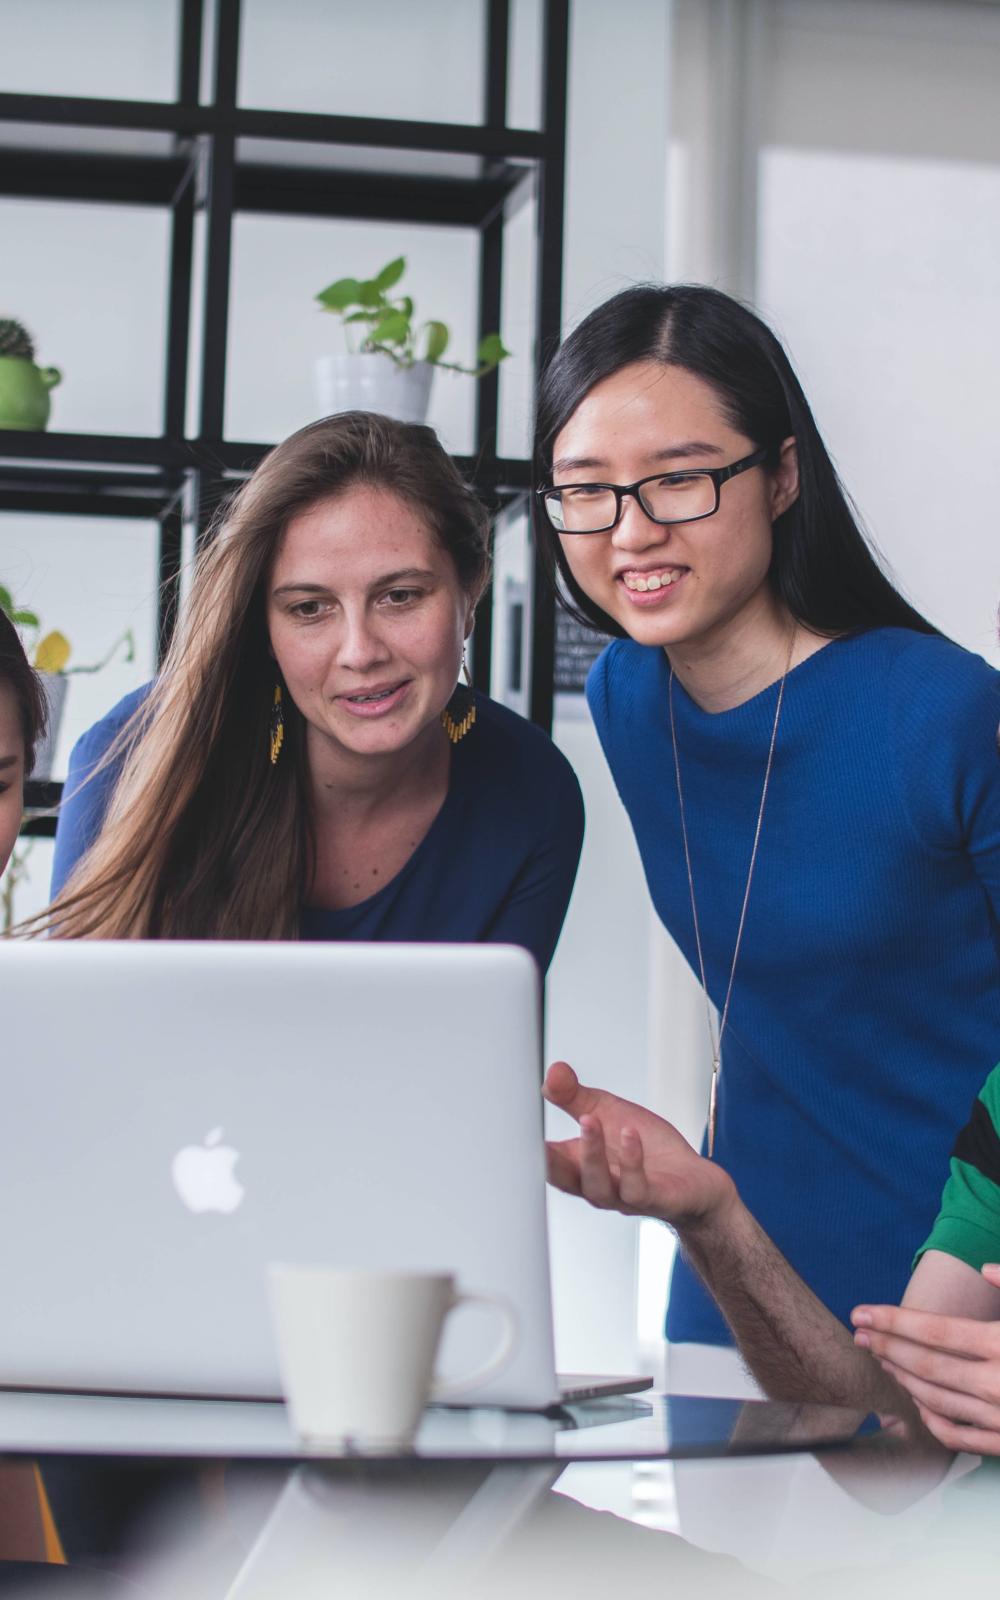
(634, 530)
(361, 646)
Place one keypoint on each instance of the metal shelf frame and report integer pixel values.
(200, 165)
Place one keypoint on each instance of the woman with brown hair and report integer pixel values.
(304, 766)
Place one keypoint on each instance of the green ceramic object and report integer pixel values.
(24, 392)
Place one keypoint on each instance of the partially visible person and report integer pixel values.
(949, 1363)
(22, 723)
(940, 1350)
(305, 766)
(23, 1520)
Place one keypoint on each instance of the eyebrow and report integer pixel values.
(670, 452)
(387, 579)
(9, 761)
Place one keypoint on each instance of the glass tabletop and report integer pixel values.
(646, 1427)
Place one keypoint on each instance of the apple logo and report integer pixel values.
(203, 1175)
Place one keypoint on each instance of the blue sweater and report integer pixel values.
(496, 865)
(866, 1007)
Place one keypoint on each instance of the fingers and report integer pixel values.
(597, 1183)
(562, 1161)
(959, 1336)
(563, 1088)
(954, 1405)
(633, 1185)
(956, 1436)
(991, 1272)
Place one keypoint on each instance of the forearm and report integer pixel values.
(793, 1346)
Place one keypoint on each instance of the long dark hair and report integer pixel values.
(823, 568)
(204, 837)
(32, 707)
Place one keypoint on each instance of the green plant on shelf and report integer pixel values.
(387, 324)
(50, 652)
(15, 340)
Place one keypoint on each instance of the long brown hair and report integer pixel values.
(204, 838)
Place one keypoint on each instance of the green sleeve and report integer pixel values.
(968, 1223)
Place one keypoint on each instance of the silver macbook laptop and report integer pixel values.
(178, 1115)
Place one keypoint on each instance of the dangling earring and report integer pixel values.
(276, 731)
(459, 714)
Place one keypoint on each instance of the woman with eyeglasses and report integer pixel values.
(810, 771)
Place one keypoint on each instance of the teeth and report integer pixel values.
(366, 699)
(654, 581)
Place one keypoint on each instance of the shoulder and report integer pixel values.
(99, 738)
(624, 672)
(517, 748)
(930, 674)
(517, 770)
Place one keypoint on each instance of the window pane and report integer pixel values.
(277, 331)
(89, 282)
(380, 59)
(105, 49)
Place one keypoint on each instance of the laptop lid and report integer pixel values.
(179, 1115)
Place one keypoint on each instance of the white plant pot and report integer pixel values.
(373, 382)
(56, 686)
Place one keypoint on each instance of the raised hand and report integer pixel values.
(949, 1365)
(628, 1159)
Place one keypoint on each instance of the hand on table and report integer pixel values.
(950, 1366)
(628, 1159)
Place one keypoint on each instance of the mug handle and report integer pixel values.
(50, 376)
(451, 1388)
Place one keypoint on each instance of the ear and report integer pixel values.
(785, 479)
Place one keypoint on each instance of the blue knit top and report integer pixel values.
(866, 1008)
(496, 865)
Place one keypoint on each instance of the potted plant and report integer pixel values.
(24, 388)
(49, 654)
(391, 364)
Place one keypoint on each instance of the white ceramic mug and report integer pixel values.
(357, 1348)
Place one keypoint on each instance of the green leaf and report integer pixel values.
(24, 619)
(491, 351)
(6, 600)
(391, 273)
(393, 329)
(363, 316)
(339, 295)
(438, 335)
(369, 294)
(405, 305)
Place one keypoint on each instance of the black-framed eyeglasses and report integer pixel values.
(685, 496)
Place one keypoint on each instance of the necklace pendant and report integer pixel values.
(713, 1100)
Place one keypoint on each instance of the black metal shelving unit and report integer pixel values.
(217, 158)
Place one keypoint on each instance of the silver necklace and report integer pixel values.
(715, 1039)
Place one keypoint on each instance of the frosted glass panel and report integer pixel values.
(895, 327)
(107, 49)
(277, 331)
(90, 283)
(517, 326)
(92, 579)
(524, 83)
(380, 59)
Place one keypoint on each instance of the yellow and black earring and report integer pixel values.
(459, 714)
(276, 731)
